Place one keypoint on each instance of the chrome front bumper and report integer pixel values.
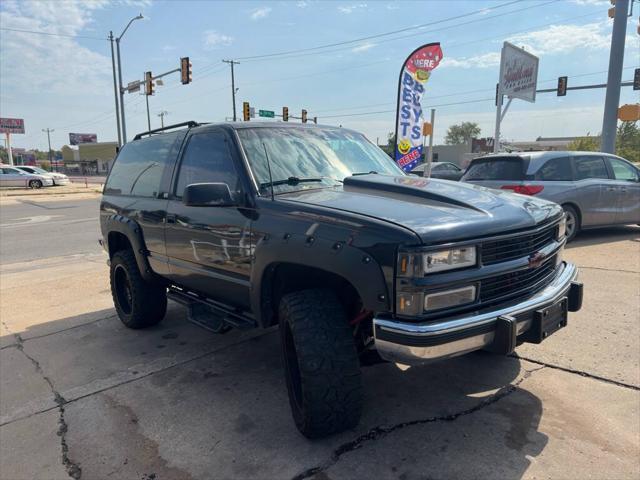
(417, 343)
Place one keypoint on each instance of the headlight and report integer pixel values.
(420, 264)
(562, 228)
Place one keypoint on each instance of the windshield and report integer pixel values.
(324, 155)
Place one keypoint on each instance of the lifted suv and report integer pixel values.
(314, 229)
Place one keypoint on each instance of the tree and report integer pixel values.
(462, 133)
(585, 144)
(45, 165)
(628, 141)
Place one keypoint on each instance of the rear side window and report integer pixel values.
(496, 169)
(207, 159)
(140, 164)
(556, 169)
(590, 167)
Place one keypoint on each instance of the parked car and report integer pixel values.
(253, 225)
(446, 170)
(595, 189)
(58, 178)
(14, 177)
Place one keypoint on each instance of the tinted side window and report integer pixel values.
(556, 169)
(139, 167)
(590, 167)
(496, 169)
(207, 159)
(622, 170)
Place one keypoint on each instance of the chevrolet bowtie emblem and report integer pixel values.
(536, 259)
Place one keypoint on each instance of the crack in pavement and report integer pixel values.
(381, 431)
(576, 372)
(73, 469)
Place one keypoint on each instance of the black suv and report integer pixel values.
(316, 230)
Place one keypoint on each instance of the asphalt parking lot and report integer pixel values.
(83, 397)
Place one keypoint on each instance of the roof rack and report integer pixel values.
(188, 124)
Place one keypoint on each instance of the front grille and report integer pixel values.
(515, 283)
(516, 247)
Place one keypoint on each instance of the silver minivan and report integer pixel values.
(595, 189)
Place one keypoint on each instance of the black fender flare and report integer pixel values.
(132, 230)
(354, 265)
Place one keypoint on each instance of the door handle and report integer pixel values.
(170, 218)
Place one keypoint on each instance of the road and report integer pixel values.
(36, 229)
(83, 397)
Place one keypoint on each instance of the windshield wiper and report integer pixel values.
(355, 174)
(293, 181)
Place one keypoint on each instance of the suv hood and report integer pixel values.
(435, 210)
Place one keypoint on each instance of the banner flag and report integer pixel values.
(415, 72)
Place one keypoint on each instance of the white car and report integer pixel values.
(14, 177)
(58, 178)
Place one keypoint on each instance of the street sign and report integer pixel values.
(266, 113)
(11, 125)
(518, 73)
(629, 112)
(133, 86)
(252, 112)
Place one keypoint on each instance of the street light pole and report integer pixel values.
(123, 122)
(612, 97)
(49, 130)
(115, 89)
(161, 115)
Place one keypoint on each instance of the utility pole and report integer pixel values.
(115, 89)
(612, 98)
(161, 115)
(148, 116)
(430, 156)
(49, 130)
(233, 86)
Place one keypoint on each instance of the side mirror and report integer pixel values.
(208, 195)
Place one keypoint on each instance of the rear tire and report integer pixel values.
(139, 304)
(573, 222)
(35, 184)
(321, 363)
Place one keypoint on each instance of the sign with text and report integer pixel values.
(518, 73)
(266, 113)
(11, 125)
(78, 138)
(414, 75)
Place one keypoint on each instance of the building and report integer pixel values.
(543, 143)
(90, 158)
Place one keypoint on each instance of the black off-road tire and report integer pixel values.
(572, 216)
(321, 363)
(139, 304)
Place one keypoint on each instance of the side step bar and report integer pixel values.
(209, 314)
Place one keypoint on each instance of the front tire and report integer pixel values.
(139, 304)
(35, 184)
(321, 363)
(573, 222)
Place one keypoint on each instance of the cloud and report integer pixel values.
(363, 47)
(565, 38)
(486, 60)
(392, 6)
(347, 9)
(591, 2)
(213, 40)
(259, 13)
(302, 4)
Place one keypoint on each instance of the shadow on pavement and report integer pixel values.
(606, 235)
(176, 402)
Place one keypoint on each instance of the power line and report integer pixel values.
(379, 35)
(37, 32)
(313, 50)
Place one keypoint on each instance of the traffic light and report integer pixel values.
(246, 111)
(185, 71)
(315, 120)
(304, 116)
(562, 86)
(636, 79)
(148, 84)
(612, 11)
(285, 114)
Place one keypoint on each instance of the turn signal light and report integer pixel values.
(524, 189)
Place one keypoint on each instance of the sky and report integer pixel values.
(63, 81)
